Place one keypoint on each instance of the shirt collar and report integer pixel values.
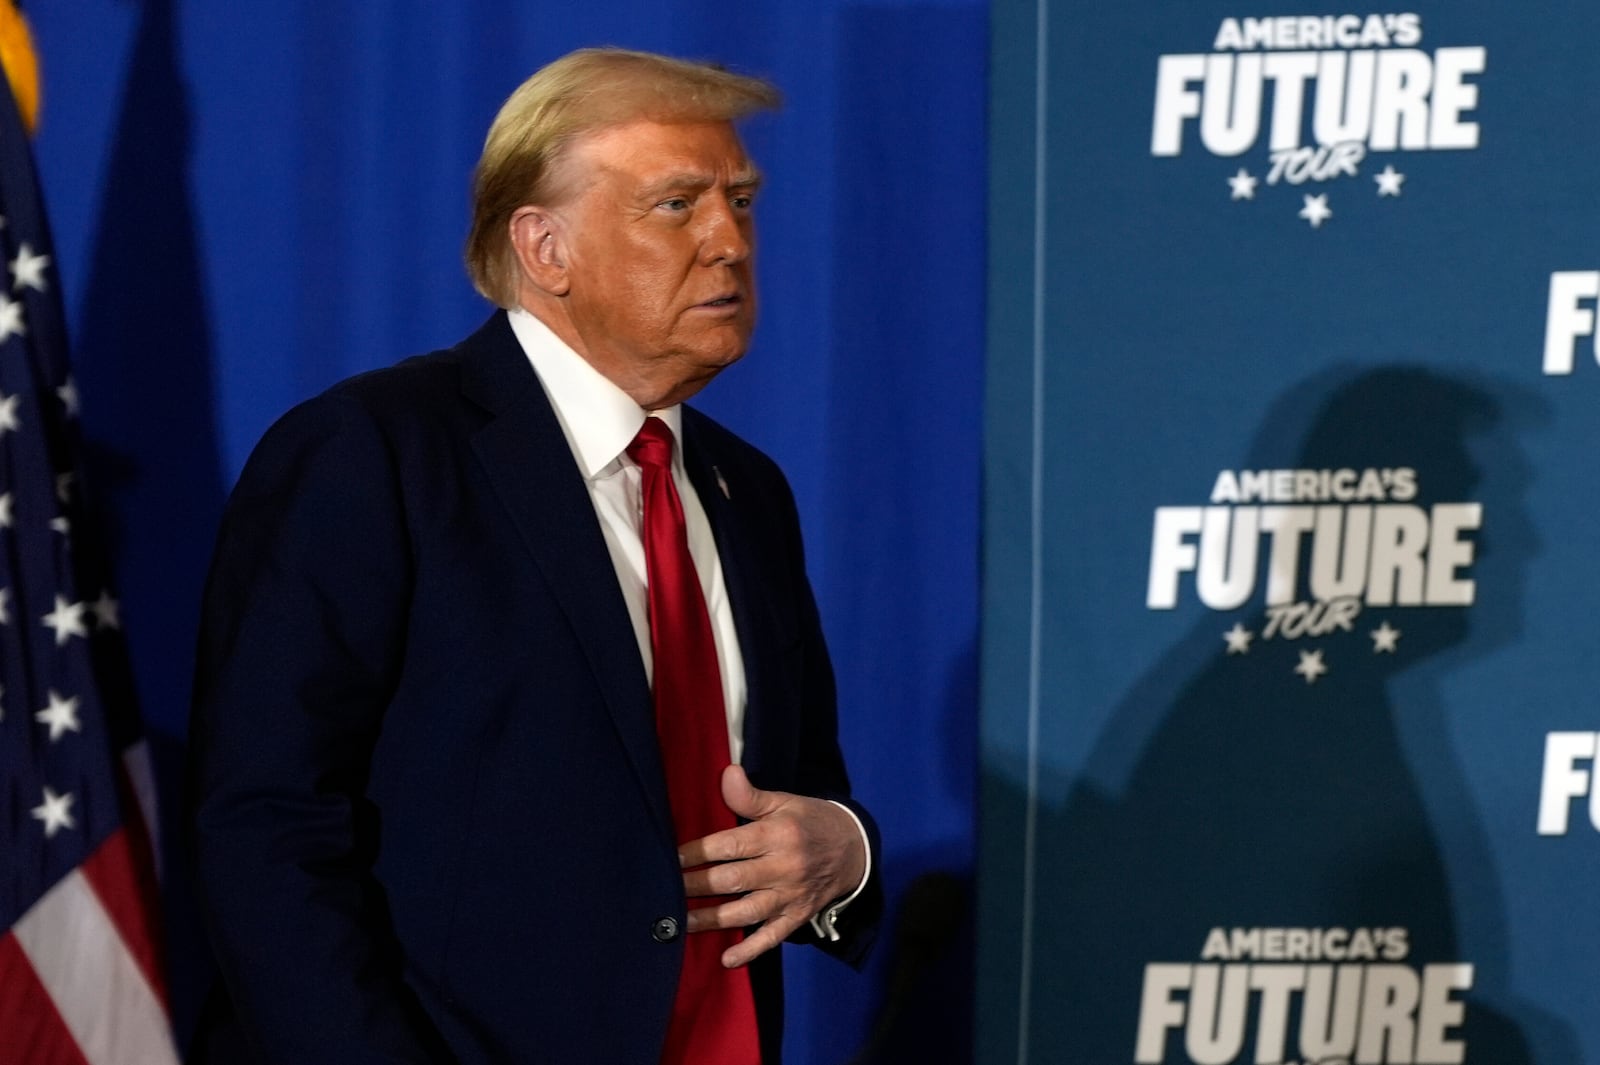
(600, 420)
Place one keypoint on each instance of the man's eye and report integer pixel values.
(677, 203)
(742, 201)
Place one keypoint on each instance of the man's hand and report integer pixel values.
(794, 857)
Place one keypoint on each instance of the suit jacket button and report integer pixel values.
(665, 930)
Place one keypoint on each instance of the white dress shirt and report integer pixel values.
(600, 421)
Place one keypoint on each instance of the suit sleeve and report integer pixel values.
(822, 771)
(303, 625)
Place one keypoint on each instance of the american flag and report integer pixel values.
(80, 971)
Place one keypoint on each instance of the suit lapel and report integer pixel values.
(740, 528)
(527, 459)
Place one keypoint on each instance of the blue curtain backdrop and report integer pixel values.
(253, 200)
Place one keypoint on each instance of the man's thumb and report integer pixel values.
(743, 798)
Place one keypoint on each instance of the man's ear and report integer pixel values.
(538, 238)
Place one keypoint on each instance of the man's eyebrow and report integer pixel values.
(746, 179)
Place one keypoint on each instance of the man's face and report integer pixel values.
(657, 242)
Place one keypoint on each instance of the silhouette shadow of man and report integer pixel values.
(1236, 787)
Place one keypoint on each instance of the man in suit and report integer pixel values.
(474, 783)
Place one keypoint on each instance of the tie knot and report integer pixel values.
(653, 446)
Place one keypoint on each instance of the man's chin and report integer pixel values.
(704, 366)
(719, 351)
(687, 373)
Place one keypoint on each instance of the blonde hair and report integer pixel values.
(579, 93)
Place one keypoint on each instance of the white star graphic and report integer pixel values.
(1389, 181)
(61, 715)
(107, 611)
(1311, 666)
(55, 812)
(67, 621)
(1238, 639)
(1243, 185)
(9, 422)
(64, 485)
(69, 397)
(61, 525)
(11, 319)
(6, 520)
(1384, 639)
(1316, 211)
(5, 606)
(28, 270)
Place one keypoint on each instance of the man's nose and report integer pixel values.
(727, 237)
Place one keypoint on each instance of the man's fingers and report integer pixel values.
(762, 908)
(763, 939)
(731, 878)
(741, 912)
(754, 840)
(729, 845)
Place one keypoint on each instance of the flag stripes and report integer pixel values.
(110, 1008)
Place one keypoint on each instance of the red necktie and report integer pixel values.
(714, 1014)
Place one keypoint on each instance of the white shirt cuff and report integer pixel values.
(824, 923)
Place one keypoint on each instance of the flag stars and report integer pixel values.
(5, 606)
(1238, 639)
(6, 518)
(11, 319)
(55, 812)
(61, 525)
(1384, 639)
(1243, 185)
(9, 422)
(69, 397)
(107, 611)
(27, 270)
(67, 620)
(1311, 666)
(61, 716)
(1389, 181)
(64, 486)
(1316, 210)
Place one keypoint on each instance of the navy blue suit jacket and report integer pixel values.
(431, 820)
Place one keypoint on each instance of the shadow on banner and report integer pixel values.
(922, 1010)
(1231, 792)
(145, 371)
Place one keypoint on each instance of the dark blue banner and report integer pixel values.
(1289, 733)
